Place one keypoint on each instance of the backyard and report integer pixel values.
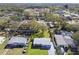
(41, 34)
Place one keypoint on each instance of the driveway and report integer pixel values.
(51, 51)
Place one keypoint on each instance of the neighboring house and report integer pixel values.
(23, 31)
(68, 16)
(42, 43)
(66, 33)
(17, 42)
(65, 42)
(75, 16)
(70, 42)
(2, 39)
(60, 42)
(61, 12)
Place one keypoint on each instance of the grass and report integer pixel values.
(46, 34)
(15, 51)
(36, 51)
(2, 46)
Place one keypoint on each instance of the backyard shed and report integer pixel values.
(17, 42)
(42, 43)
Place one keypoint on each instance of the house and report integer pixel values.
(17, 42)
(68, 16)
(66, 33)
(75, 16)
(2, 39)
(60, 42)
(61, 12)
(70, 42)
(42, 43)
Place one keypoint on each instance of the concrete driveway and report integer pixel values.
(52, 50)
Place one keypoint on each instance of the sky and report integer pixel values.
(39, 1)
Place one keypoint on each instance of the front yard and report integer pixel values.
(15, 51)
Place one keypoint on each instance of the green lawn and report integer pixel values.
(15, 51)
(46, 34)
(2, 46)
(31, 51)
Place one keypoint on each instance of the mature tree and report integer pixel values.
(59, 23)
(3, 23)
(26, 14)
(74, 27)
(75, 36)
(1, 14)
(15, 18)
(69, 52)
(52, 17)
(53, 8)
(13, 25)
(33, 24)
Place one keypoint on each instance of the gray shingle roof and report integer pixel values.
(18, 40)
(42, 41)
(69, 41)
(60, 40)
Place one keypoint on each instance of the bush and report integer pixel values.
(74, 28)
(75, 36)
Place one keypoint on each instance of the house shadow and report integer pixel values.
(38, 47)
(13, 46)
